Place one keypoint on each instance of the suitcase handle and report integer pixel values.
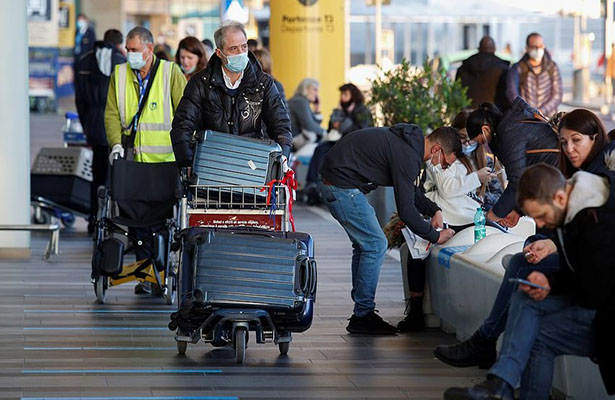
(304, 269)
(252, 233)
(313, 277)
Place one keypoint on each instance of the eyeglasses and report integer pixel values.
(467, 141)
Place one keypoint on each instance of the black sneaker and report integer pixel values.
(370, 324)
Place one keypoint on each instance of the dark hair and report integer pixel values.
(264, 59)
(355, 94)
(586, 123)
(448, 138)
(161, 52)
(531, 35)
(611, 135)
(114, 37)
(539, 182)
(485, 114)
(459, 122)
(252, 42)
(209, 43)
(194, 46)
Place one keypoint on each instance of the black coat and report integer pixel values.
(517, 133)
(588, 273)
(91, 87)
(484, 74)
(372, 157)
(208, 104)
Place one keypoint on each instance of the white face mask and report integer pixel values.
(136, 60)
(537, 54)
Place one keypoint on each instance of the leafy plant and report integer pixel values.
(423, 96)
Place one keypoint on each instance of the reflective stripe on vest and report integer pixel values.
(153, 139)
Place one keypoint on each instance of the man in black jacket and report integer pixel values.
(573, 310)
(359, 163)
(92, 73)
(484, 74)
(231, 95)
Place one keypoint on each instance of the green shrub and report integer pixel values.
(423, 96)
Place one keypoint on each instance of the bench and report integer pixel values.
(464, 279)
(53, 245)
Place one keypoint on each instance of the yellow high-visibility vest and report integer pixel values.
(153, 137)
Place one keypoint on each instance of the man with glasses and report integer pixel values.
(231, 95)
(359, 163)
(536, 78)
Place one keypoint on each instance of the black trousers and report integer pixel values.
(416, 268)
(100, 169)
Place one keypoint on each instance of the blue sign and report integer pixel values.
(445, 254)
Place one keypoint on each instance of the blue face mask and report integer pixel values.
(469, 149)
(236, 63)
(82, 25)
(135, 60)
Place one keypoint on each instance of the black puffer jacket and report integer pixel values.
(208, 104)
(517, 133)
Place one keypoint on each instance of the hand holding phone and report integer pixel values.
(526, 282)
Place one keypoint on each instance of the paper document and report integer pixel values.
(419, 247)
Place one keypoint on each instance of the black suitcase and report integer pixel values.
(273, 271)
(225, 159)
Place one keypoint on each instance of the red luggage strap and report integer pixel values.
(290, 183)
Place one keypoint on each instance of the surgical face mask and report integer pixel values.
(468, 149)
(82, 25)
(189, 70)
(236, 63)
(537, 54)
(135, 60)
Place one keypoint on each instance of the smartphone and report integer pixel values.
(526, 282)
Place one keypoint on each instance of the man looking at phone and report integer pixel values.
(573, 315)
(359, 163)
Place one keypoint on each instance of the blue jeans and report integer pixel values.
(518, 267)
(358, 218)
(537, 332)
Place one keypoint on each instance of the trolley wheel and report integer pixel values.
(240, 344)
(68, 219)
(100, 288)
(284, 348)
(41, 219)
(171, 290)
(181, 347)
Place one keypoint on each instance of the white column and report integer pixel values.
(15, 132)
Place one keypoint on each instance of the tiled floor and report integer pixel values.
(56, 342)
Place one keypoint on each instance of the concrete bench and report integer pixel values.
(463, 280)
(53, 245)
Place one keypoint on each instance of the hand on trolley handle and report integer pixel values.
(117, 151)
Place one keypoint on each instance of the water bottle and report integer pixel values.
(479, 225)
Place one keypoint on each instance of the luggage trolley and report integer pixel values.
(241, 269)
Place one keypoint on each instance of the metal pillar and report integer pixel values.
(15, 133)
